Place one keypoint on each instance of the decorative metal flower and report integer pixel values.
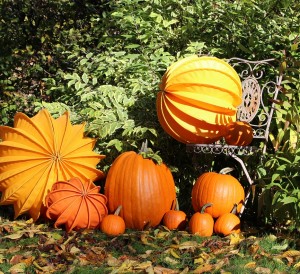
(39, 151)
(76, 204)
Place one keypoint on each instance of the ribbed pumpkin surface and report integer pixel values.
(145, 190)
(198, 97)
(222, 190)
(76, 204)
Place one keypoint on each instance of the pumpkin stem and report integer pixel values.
(144, 147)
(204, 207)
(117, 212)
(147, 153)
(234, 209)
(226, 170)
(176, 204)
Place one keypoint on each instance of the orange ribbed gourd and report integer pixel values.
(223, 191)
(145, 190)
(198, 97)
(76, 204)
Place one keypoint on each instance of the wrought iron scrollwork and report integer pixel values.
(221, 149)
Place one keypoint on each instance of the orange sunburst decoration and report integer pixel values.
(39, 151)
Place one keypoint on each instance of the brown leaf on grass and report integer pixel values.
(125, 267)
(185, 271)
(171, 261)
(188, 245)
(143, 265)
(291, 253)
(16, 259)
(262, 270)
(203, 268)
(297, 266)
(220, 264)
(250, 265)
(253, 249)
(144, 240)
(236, 238)
(164, 270)
(112, 261)
(18, 268)
(215, 245)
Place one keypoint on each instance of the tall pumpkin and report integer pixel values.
(145, 189)
(198, 97)
(222, 190)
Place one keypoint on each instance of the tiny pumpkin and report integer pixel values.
(228, 223)
(202, 223)
(113, 224)
(220, 189)
(175, 218)
(239, 133)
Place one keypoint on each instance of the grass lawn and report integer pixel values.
(27, 247)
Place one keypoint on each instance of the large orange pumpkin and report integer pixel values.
(198, 97)
(222, 190)
(145, 189)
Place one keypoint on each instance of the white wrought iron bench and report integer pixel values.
(260, 94)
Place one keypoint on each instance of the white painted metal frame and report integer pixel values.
(259, 98)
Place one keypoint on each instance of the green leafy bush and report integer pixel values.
(103, 61)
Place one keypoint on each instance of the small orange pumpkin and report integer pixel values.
(220, 189)
(175, 218)
(113, 224)
(239, 133)
(75, 203)
(202, 223)
(228, 223)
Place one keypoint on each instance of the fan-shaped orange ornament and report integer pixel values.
(198, 97)
(39, 151)
(76, 204)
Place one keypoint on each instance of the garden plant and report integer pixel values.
(94, 71)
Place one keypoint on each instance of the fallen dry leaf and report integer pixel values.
(262, 270)
(203, 268)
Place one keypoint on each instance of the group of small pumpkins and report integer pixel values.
(47, 166)
(216, 199)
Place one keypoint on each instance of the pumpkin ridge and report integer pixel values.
(65, 215)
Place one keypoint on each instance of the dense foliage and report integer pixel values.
(103, 61)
